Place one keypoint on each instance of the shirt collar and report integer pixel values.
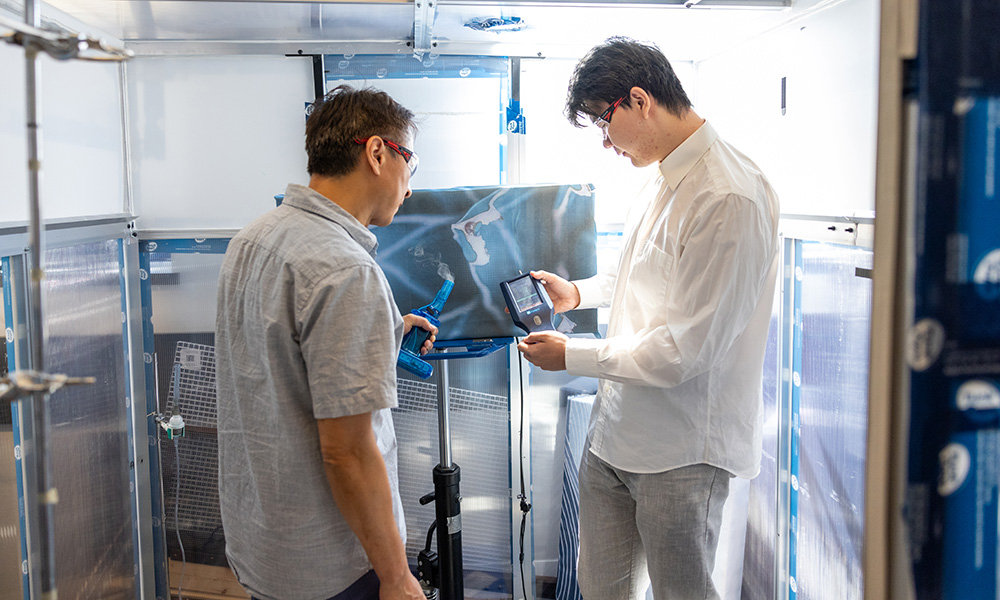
(309, 200)
(677, 164)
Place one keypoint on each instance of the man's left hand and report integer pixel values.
(545, 349)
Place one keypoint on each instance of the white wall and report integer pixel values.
(558, 152)
(213, 139)
(81, 147)
(458, 137)
(820, 155)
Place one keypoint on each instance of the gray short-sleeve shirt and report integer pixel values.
(306, 329)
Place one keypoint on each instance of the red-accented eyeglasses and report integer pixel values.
(605, 119)
(411, 158)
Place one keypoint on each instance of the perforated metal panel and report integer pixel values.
(194, 365)
(193, 508)
(480, 446)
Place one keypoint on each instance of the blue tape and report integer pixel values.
(185, 246)
(515, 118)
(793, 534)
(368, 67)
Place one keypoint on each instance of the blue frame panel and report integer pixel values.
(162, 584)
(794, 403)
(147, 247)
(8, 307)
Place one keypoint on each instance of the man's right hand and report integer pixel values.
(406, 588)
(564, 294)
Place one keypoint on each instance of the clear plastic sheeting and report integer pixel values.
(95, 553)
(833, 416)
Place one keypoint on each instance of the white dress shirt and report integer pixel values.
(681, 368)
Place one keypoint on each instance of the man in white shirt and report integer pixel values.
(678, 409)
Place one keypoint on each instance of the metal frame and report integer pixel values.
(520, 459)
(516, 155)
(424, 14)
(63, 233)
(795, 229)
(15, 304)
(789, 343)
(852, 230)
(422, 39)
(184, 241)
(14, 237)
(143, 489)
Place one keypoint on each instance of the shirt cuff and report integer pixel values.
(591, 294)
(581, 357)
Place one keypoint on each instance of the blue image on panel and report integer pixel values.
(483, 236)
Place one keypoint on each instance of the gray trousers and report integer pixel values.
(642, 528)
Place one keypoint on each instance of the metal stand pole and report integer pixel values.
(43, 554)
(447, 500)
(60, 44)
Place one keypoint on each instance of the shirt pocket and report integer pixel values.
(649, 276)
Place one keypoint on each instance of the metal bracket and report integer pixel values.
(61, 44)
(24, 383)
(424, 14)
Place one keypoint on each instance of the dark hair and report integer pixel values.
(612, 68)
(345, 114)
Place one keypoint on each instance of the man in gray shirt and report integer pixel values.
(307, 335)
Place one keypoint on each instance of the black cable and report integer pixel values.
(430, 535)
(177, 521)
(525, 506)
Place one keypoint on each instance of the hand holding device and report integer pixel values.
(564, 294)
(528, 303)
(409, 353)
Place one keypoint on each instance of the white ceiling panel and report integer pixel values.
(552, 28)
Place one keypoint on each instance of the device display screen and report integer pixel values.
(524, 293)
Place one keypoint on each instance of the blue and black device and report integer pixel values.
(529, 305)
(409, 352)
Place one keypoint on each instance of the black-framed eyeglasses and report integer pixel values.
(411, 158)
(605, 119)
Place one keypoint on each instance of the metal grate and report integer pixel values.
(479, 430)
(197, 511)
(195, 365)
